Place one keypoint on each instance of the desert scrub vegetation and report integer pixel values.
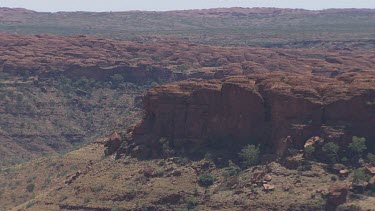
(206, 179)
(360, 176)
(331, 151)
(191, 202)
(309, 151)
(30, 187)
(231, 170)
(358, 146)
(249, 155)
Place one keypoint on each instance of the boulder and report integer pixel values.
(268, 187)
(336, 168)
(370, 170)
(314, 141)
(257, 177)
(344, 173)
(285, 187)
(267, 177)
(113, 144)
(148, 171)
(337, 194)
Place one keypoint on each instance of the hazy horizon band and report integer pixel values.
(165, 5)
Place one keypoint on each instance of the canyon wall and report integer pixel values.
(277, 110)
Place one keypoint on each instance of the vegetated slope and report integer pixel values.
(59, 92)
(172, 184)
(264, 27)
(23, 182)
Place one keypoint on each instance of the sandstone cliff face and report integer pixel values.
(273, 109)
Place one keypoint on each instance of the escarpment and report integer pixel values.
(277, 110)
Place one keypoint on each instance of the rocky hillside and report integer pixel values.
(60, 92)
(258, 27)
(45, 56)
(278, 111)
(74, 87)
(243, 125)
(190, 138)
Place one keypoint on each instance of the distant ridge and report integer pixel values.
(243, 10)
(256, 27)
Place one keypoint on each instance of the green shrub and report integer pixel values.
(191, 202)
(159, 172)
(331, 149)
(206, 180)
(358, 145)
(250, 155)
(231, 170)
(360, 176)
(30, 187)
(309, 151)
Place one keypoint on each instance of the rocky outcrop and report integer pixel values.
(113, 144)
(272, 109)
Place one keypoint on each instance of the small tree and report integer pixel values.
(249, 155)
(358, 145)
(331, 149)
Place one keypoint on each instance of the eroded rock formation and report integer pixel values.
(273, 109)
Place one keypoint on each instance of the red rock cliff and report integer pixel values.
(269, 108)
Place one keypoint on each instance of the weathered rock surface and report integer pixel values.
(266, 108)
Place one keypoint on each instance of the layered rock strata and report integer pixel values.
(276, 110)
